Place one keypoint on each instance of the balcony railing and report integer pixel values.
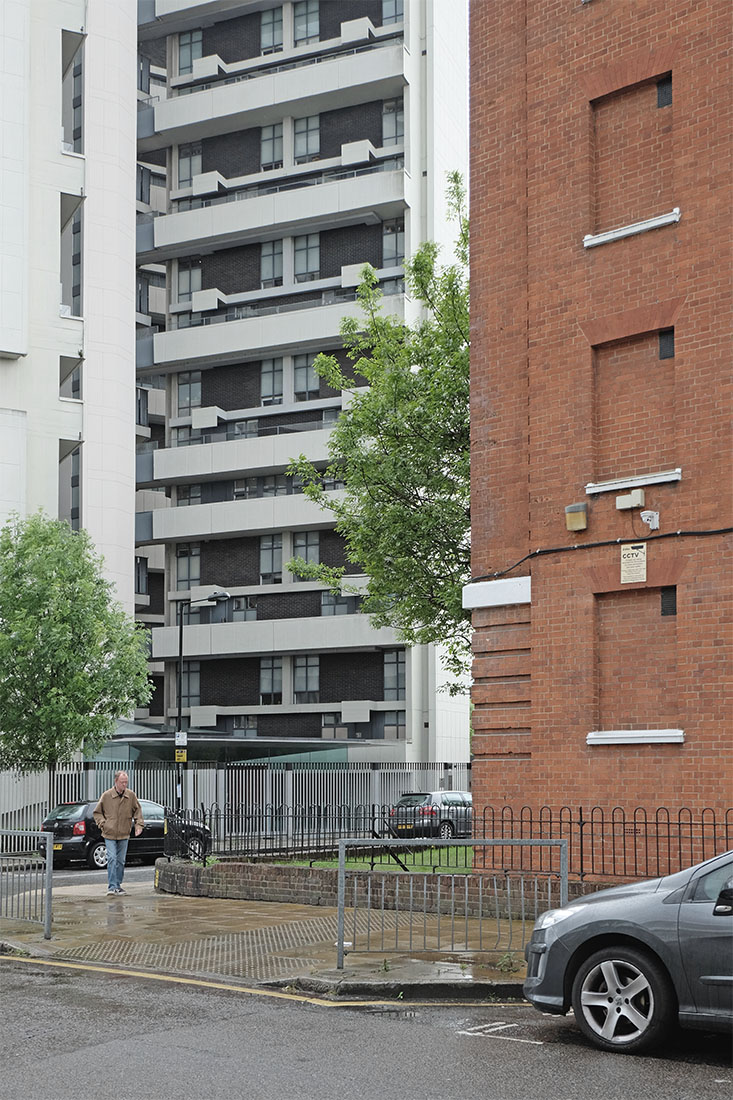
(253, 430)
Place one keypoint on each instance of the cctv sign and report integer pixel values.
(633, 563)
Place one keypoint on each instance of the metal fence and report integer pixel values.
(440, 912)
(26, 882)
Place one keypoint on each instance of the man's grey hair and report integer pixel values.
(119, 773)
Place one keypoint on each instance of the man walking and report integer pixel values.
(114, 814)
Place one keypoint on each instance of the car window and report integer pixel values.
(453, 798)
(152, 811)
(707, 887)
(70, 812)
(413, 799)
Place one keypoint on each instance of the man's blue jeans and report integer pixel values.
(116, 853)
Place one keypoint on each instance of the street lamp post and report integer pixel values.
(217, 596)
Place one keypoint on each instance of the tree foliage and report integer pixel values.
(71, 660)
(401, 448)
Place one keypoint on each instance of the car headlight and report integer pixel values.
(554, 916)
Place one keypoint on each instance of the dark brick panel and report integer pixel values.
(289, 725)
(354, 244)
(154, 156)
(335, 12)
(154, 50)
(156, 591)
(351, 676)
(230, 683)
(232, 270)
(235, 154)
(302, 416)
(333, 551)
(235, 387)
(214, 491)
(350, 124)
(233, 39)
(155, 706)
(289, 605)
(230, 561)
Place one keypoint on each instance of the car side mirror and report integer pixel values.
(724, 904)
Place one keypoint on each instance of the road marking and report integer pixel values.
(231, 987)
(490, 1031)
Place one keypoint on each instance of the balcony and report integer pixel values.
(221, 458)
(229, 518)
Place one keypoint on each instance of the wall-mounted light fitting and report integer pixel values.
(576, 516)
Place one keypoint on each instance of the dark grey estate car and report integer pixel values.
(433, 813)
(632, 960)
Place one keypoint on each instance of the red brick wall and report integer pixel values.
(567, 389)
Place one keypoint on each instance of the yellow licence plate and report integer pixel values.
(404, 826)
(57, 847)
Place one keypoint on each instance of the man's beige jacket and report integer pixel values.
(114, 814)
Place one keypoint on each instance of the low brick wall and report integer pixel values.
(318, 886)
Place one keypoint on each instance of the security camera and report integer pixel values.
(651, 519)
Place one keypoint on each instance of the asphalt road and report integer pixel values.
(81, 1034)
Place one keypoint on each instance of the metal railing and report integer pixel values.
(439, 912)
(26, 881)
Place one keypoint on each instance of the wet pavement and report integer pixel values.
(259, 943)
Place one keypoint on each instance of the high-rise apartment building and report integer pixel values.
(281, 147)
(601, 404)
(67, 269)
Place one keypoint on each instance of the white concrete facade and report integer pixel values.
(67, 220)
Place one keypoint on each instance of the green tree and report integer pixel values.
(401, 448)
(71, 660)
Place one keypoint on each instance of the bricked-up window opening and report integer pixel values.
(271, 381)
(141, 576)
(669, 600)
(189, 391)
(307, 139)
(393, 122)
(307, 545)
(338, 604)
(393, 11)
(305, 379)
(189, 163)
(244, 609)
(395, 728)
(188, 565)
(271, 680)
(271, 146)
(271, 30)
(191, 684)
(189, 279)
(306, 679)
(393, 243)
(190, 45)
(307, 257)
(187, 495)
(271, 559)
(244, 722)
(664, 91)
(306, 24)
(394, 674)
(666, 343)
(271, 263)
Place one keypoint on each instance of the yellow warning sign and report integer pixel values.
(181, 756)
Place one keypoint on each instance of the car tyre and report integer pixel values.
(623, 1000)
(446, 830)
(97, 856)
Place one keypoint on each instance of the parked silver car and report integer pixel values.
(634, 959)
(432, 813)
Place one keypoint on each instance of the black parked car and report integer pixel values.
(76, 835)
(435, 813)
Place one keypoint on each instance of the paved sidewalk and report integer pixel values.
(247, 942)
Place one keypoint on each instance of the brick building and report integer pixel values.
(601, 385)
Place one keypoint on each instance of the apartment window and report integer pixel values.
(190, 45)
(393, 122)
(307, 257)
(143, 74)
(141, 576)
(245, 488)
(305, 379)
(306, 23)
(271, 146)
(189, 391)
(271, 559)
(393, 243)
(306, 679)
(244, 722)
(142, 191)
(243, 429)
(189, 163)
(141, 407)
(394, 725)
(394, 674)
(191, 684)
(188, 614)
(187, 495)
(142, 286)
(188, 565)
(338, 604)
(271, 382)
(271, 30)
(71, 262)
(271, 680)
(244, 609)
(307, 139)
(271, 263)
(307, 545)
(186, 436)
(666, 343)
(72, 91)
(392, 11)
(330, 482)
(274, 485)
(189, 279)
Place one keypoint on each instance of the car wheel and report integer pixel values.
(446, 830)
(97, 855)
(195, 848)
(623, 1000)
